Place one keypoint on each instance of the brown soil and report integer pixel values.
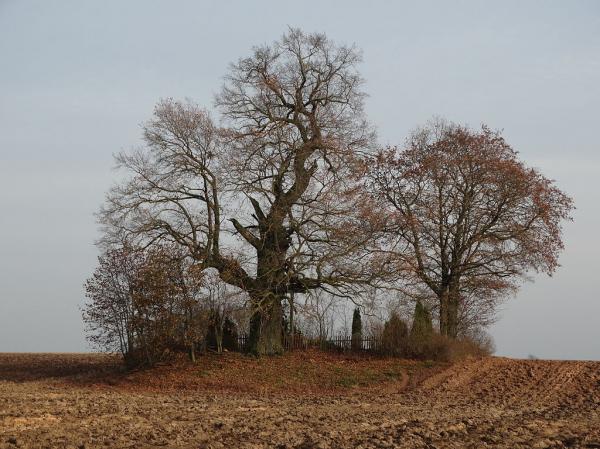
(300, 400)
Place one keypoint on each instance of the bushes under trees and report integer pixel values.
(144, 305)
(423, 342)
(149, 305)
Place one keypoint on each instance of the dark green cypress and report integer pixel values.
(356, 330)
(395, 333)
(422, 327)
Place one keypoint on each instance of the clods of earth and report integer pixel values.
(299, 400)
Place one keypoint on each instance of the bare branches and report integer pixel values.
(173, 190)
(286, 197)
(282, 172)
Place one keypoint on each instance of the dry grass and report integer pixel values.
(302, 372)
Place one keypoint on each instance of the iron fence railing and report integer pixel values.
(342, 343)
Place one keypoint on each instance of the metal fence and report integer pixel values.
(340, 343)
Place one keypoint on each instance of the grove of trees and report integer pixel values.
(286, 205)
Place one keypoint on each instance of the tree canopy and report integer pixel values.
(464, 217)
(269, 198)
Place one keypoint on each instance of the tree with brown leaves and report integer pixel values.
(145, 304)
(109, 313)
(464, 217)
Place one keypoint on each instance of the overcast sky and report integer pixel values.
(78, 77)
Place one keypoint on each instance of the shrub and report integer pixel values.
(425, 343)
(395, 334)
(446, 349)
(422, 326)
(421, 340)
(482, 339)
(356, 330)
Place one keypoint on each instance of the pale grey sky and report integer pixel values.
(78, 77)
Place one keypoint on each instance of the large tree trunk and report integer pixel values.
(452, 316)
(266, 327)
(443, 299)
(449, 300)
(291, 301)
(266, 323)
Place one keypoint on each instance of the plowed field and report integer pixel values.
(298, 401)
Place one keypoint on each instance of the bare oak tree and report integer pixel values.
(465, 218)
(267, 200)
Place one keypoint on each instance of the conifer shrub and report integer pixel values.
(421, 340)
(395, 335)
(356, 330)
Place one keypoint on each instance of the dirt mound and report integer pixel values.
(303, 372)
